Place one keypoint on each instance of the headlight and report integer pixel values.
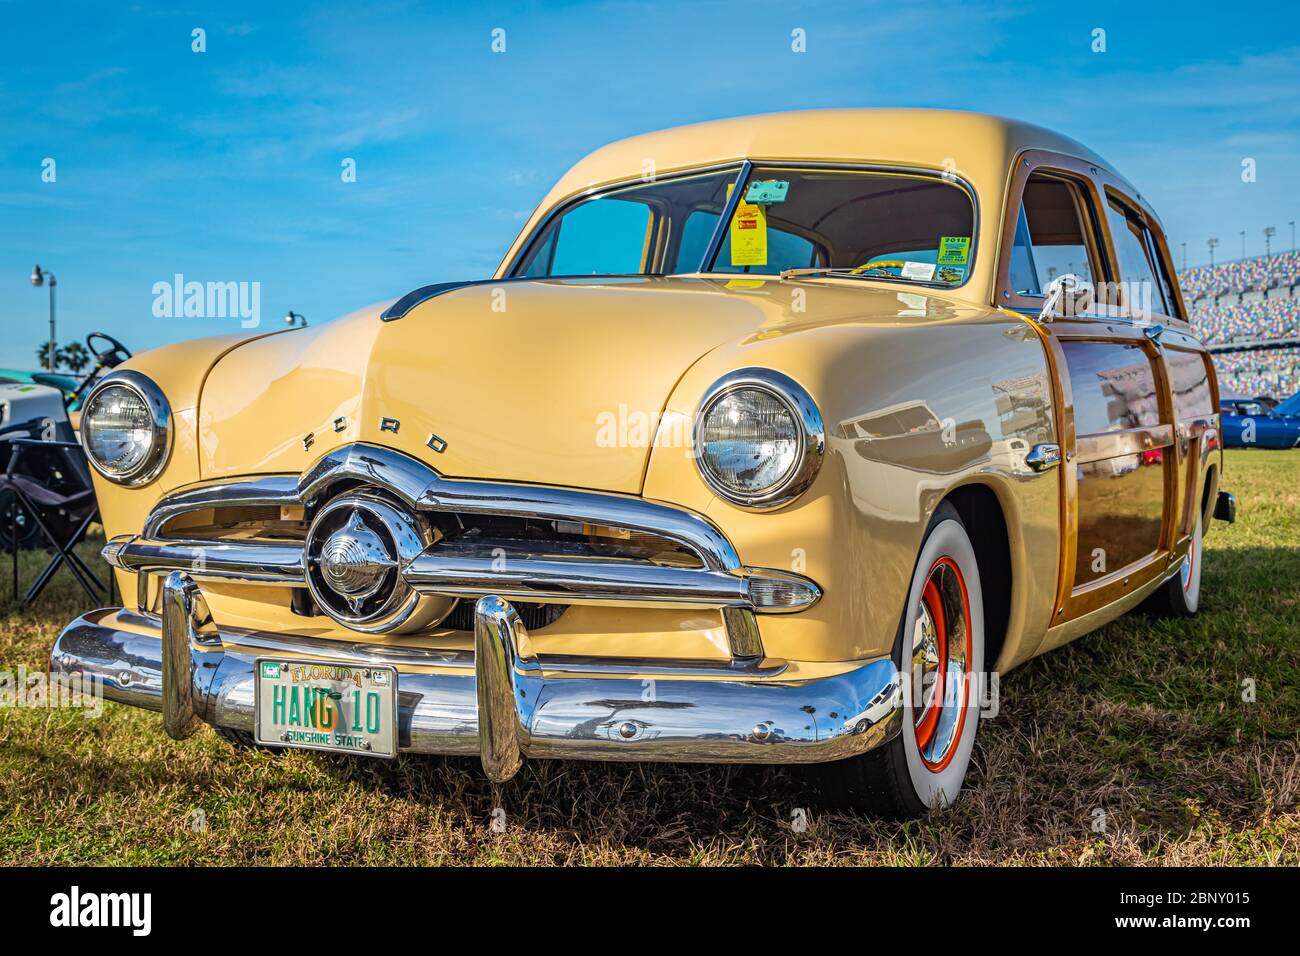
(126, 428)
(758, 438)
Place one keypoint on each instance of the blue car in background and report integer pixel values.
(1249, 423)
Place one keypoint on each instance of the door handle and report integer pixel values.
(1043, 456)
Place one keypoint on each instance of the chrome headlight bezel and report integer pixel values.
(811, 432)
(161, 414)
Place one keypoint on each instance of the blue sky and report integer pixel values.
(225, 165)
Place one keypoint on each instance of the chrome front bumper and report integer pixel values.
(501, 702)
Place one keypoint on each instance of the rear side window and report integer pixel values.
(1141, 267)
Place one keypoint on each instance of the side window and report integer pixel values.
(1051, 238)
(605, 236)
(1142, 268)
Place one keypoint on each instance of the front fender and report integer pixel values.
(912, 410)
(180, 371)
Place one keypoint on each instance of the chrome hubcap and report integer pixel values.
(941, 654)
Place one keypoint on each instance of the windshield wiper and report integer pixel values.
(842, 273)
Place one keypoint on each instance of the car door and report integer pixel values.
(1123, 461)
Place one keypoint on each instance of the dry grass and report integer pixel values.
(1142, 721)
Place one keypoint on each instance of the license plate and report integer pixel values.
(324, 705)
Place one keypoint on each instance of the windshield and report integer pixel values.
(890, 225)
(899, 226)
(655, 228)
(1289, 407)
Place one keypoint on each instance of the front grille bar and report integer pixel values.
(542, 572)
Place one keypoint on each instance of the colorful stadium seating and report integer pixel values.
(1274, 372)
(1244, 275)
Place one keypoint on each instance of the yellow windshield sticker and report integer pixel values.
(749, 235)
(954, 250)
(745, 283)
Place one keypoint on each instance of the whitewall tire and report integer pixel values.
(940, 655)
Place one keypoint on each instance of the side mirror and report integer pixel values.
(1067, 295)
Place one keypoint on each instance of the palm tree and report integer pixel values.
(43, 353)
(74, 356)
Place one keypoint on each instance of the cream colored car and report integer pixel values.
(769, 438)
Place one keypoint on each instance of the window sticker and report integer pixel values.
(918, 270)
(768, 191)
(749, 235)
(951, 274)
(954, 250)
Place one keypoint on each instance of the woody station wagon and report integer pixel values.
(769, 439)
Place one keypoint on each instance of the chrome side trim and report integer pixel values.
(738, 716)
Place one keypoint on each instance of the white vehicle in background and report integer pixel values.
(30, 411)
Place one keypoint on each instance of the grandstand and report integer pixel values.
(1248, 314)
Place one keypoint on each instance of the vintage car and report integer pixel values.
(1251, 423)
(767, 442)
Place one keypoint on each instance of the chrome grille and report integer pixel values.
(534, 544)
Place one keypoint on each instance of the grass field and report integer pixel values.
(1141, 726)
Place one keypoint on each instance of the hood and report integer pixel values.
(552, 381)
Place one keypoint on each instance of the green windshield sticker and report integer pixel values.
(954, 250)
(951, 274)
(767, 191)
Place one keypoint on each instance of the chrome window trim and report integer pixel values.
(724, 219)
(163, 432)
(812, 445)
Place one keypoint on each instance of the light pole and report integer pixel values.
(1184, 245)
(291, 317)
(1292, 225)
(1269, 233)
(1211, 243)
(1243, 243)
(38, 280)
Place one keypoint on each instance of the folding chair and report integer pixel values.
(42, 503)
